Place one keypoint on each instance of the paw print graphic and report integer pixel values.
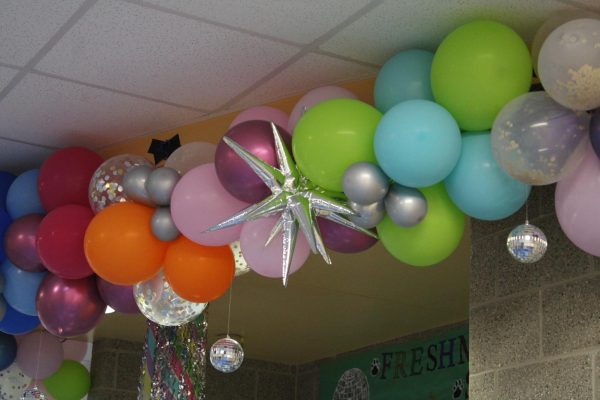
(458, 389)
(375, 367)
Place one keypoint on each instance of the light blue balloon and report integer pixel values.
(417, 143)
(406, 76)
(479, 187)
(22, 197)
(21, 287)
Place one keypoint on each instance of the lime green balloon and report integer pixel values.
(433, 239)
(333, 135)
(71, 381)
(478, 69)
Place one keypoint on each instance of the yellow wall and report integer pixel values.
(212, 129)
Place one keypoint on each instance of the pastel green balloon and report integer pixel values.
(477, 69)
(333, 135)
(71, 381)
(433, 239)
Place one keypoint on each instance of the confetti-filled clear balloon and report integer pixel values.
(527, 243)
(226, 355)
(160, 304)
(241, 266)
(33, 393)
(106, 185)
(13, 382)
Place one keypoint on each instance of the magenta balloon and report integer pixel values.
(233, 172)
(267, 260)
(261, 113)
(20, 243)
(199, 201)
(577, 198)
(315, 97)
(118, 297)
(39, 364)
(342, 239)
(69, 307)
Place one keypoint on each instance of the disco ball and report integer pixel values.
(527, 243)
(226, 355)
(353, 384)
(33, 393)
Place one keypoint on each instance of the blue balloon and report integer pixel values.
(16, 323)
(22, 197)
(5, 221)
(8, 350)
(417, 143)
(6, 179)
(406, 76)
(21, 287)
(479, 187)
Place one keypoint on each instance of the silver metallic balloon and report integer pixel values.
(2, 308)
(226, 355)
(368, 216)
(134, 184)
(241, 266)
(160, 304)
(405, 206)
(365, 183)
(527, 243)
(163, 226)
(160, 185)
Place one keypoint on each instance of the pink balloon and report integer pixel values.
(315, 97)
(267, 260)
(199, 201)
(20, 243)
(60, 241)
(36, 363)
(262, 113)
(577, 201)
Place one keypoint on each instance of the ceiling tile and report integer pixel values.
(404, 24)
(58, 113)
(6, 74)
(162, 56)
(311, 71)
(26, 25)
(19, 157)
(300, 21)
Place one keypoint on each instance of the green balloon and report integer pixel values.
(433, 239)
(477, 70)
(71, 381)
(333, 135)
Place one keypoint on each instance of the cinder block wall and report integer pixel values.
(534, 329)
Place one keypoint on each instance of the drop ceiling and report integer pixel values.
(99, 72)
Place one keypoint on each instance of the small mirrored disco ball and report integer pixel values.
(33, 394)
(527, 243)
(226, 355)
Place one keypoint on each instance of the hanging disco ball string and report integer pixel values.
(227, 354)
(527, 243)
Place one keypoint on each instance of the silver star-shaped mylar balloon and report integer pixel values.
(293, 196)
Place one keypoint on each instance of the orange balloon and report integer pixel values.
(199, 273)
(120, 246)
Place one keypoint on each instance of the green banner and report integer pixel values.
(429, 368)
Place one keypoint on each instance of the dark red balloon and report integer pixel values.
(60, 241)
(118, 297)
(233, 172)
(69, 307)
(65, 176)
(20, 243)
(342, 239)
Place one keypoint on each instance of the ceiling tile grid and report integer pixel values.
(6, 75)
(19, 157)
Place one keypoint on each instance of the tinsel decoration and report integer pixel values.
(174, 362)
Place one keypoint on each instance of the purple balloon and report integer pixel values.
(342, 239)
(595, 131)
(20, 243)
(69, 307)
(233, 172)
(117, 296)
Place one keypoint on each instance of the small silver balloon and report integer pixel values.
(160, 185)
(163, 226)
(33, 393)
(527, 243)
(2, 308)
(241, 266)
(226, 355)
(160, 304)
(134, 184)
(405, 206)
(368, 216)
(365, 183)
